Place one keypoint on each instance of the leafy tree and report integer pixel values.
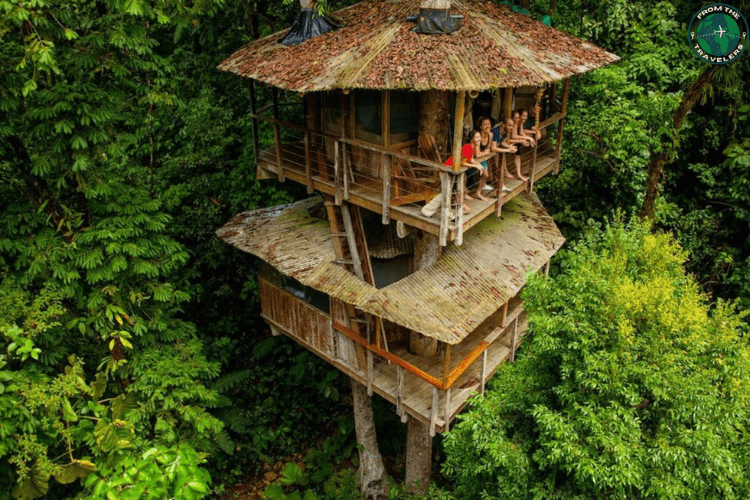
(98, 365)
(630, 385)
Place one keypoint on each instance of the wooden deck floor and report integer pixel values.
(368, 192)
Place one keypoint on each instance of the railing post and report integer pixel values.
(501, 185)
(447, 410)
(514, 340)
(560, 124)
(460, 188)
(446, 185)
(484, 372)
(345, 171)
(385, 161)
(533, 168)
(434, 410)
(277, 134)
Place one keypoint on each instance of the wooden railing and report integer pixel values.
(334, 164)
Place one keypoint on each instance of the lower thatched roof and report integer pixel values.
(446, 301)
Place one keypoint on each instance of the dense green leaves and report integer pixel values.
(629, 386)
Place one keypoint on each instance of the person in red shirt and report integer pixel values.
(475, 171)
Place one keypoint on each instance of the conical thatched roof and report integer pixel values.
(377, 49)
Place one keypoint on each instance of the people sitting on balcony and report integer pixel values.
(529, 125)
(520, 131)
(500, 145)
(475, 171)
(519, 142)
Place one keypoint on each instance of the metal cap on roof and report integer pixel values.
(446, 300)
(377, 49)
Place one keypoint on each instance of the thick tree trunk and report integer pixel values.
(427, 251)
(433, 116)
(657, 162)
(371, 470)
(418, 456)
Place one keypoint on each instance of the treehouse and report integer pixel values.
(421, 308)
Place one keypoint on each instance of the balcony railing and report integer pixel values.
(397, 182)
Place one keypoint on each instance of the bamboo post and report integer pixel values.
(546, 268)
(277, 133)
(386, 162)
(501, 185)
(460, 188)
(447, 410)
(434, 411)
(369, 372)
(253, 111)
(399, 388)
(533, 168)
(344, 171)
(458, 128)
(484, 372)
(351, 239)
(514, 340)
(446, 181)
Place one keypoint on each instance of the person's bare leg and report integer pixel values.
(517, 160)
(480, 186)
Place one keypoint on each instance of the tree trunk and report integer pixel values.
(657, 162)
(418, 456)
(427, 251)
(371, 470)
(433, 116)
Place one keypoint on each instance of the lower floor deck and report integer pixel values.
(391, 370)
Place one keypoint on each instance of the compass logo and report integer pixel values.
(718, 33)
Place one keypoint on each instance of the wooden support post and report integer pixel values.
(447, 410)
(386, 163)
(345, 171)
(446, 181)
(369, 372)
(308, 164)
(460, 188)
(399, 387)
(500, 186)
(277, 134)
(447, 364)
(336, 173)
(505, 314)
(434, 410)
(351, 239)
(533, 168)
(484, 372)
(546, 268)
(514, 340)
(508, 102)
(254, 111)
(458, 128)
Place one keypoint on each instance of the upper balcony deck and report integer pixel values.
(397, 182)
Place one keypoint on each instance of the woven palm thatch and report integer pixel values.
(377, 49)
(446, 300)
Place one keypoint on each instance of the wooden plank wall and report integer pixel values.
(298, 317)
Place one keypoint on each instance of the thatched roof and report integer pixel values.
(377, 49)
(446, 300)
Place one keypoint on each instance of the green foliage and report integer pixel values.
(630, 385)
(159, 472)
